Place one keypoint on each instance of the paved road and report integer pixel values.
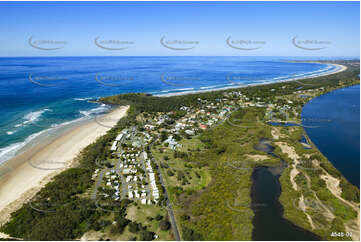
(99, 181)
(169, 206)
(143, 157)
(124, 183)
(124, 190)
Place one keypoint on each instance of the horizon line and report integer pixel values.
(290, 56)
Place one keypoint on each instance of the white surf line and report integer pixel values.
(339, 68)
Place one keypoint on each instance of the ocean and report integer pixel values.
(39, 95)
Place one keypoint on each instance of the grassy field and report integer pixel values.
(208, 180)
(143, 213)
(212, 199)
(224, 156)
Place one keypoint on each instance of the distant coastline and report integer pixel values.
(38, 137)
(4, 168)
(339, 68)
(5, 213)
(34, 122)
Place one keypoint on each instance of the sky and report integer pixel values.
(329, 29)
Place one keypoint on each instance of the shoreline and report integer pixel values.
(282, 219)
(23, 186)
(339, 68)
(307, 137)
(355, 232)
(39, 136)
(25, 174)
(18, 147)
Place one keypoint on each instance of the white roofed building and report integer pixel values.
(114, 146)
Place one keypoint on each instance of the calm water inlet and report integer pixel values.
(337, 134)
(268, 221)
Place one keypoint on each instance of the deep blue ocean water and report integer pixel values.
(42, 93)
(336, 116)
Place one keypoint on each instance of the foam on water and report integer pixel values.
(11, 150)
(83, 99)
(98, 110)
(32, 117)
(69, 103)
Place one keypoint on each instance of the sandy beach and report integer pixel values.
(339, 68)
(25, 174)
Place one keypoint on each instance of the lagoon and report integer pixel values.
(337, 133)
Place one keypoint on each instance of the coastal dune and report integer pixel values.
(24, 175)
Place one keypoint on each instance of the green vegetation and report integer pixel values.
(208, 178)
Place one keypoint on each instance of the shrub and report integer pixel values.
(164, 225)
(122, 222)
(133, 227)
(170, 173)
(146, 235)
(189, 234)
